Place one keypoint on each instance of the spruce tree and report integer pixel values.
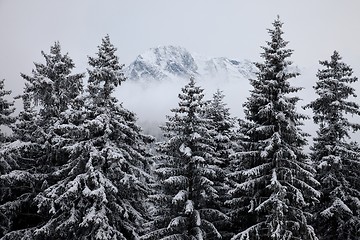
(224, 127)
(6, 109)
(104, 182)
(21, 183)
(53, 89)
(336, 159)
(226, 141)
(275, 183)
(52, 85)
(49, 92)
(187, 205)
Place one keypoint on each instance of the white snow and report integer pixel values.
(189, 207)
(185, 150)
(176, 222)
(180, 196)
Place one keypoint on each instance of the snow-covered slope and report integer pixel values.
(169, 62)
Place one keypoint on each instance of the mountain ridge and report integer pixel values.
(169, 62)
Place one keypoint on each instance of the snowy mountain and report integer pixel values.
(168, 62)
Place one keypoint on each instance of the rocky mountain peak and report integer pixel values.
(169, 62)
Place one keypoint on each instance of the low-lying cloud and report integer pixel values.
(153, 100)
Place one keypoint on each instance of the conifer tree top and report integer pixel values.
(52, 85)
(106, 73)
(275, 52)
(334, 89)
(6, 109)
(271, 84)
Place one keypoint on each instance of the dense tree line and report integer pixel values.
(77, 165)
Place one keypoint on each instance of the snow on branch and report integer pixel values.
(176, 180)
(245, 235)
(185, 150)
(189, 207)
(255, 171)
(178, 221)
(180, 196)
(337, 206)
(248, 184)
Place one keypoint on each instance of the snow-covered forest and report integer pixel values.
(78, 166)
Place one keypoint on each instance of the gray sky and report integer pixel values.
(229, 28)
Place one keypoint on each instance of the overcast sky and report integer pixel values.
(228, 28)
(231, 28)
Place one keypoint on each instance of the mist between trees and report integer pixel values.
(78, 166)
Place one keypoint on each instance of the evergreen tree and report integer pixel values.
(104, 182)
(275, 182)
(22, 182)
(51, 88)
(6, 109)
(187, 205)
(337, 160)
(226, 143)
(224, 127)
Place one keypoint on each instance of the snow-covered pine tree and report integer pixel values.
(6, 109)
(224, 126)
(337, 160)
(226, 144)
(187, 205)
(52, 89)
(22, 182)
(104, 183)
(52, 85)
(275, 181)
